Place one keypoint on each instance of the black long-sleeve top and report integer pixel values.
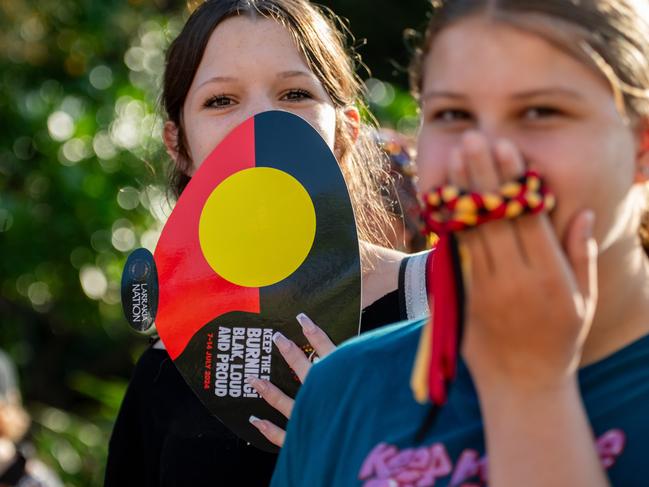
(165, 437)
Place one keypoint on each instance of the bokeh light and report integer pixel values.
(101, 77)
(60, 126)
(93, 282)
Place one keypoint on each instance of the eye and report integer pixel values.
(219, 101)
(296, 95)
(451, 115)
(540, 113)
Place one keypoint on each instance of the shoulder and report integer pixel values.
(152, 357)
(153, 366)
(380, 272)
(389, 270)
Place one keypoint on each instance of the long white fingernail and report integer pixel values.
(281, 341)
(305, 322)
(257, 423)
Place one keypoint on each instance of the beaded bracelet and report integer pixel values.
(450, 209)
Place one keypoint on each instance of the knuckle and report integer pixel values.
(270, 396)
(319, 334)
(287, 404)
(295, 352)
(275, 434)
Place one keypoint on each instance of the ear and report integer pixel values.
(170, 138)
(353, 117)
(642, 156)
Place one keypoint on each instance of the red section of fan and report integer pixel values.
(182, 268)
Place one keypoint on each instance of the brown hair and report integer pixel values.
(320, 38)
(611, 36)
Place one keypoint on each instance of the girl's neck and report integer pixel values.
(622, 314)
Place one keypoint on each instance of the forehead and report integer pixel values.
(487, 56)
(246, 42)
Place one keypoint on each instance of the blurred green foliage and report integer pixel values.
(82, 184)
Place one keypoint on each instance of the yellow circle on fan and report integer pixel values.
(257, 227)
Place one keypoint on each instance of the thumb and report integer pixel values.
(582, 253)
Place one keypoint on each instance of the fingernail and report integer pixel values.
(281, 341)
(305, 322)
(473, 142)
(259, 385)
(257, 423)
(503, 148)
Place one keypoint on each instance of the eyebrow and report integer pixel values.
(549, 91)
(441, 94)
(282, 75)
(218, 79)
(294, 74)
(517, 96)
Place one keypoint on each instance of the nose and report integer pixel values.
(259, 103)
(490, 128)
(493, 132)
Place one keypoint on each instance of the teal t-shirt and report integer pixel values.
(355, 420)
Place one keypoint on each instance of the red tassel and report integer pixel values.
(444, 305)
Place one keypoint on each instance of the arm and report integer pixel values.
(531, 304)
(536, 427)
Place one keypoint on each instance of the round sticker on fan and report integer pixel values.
(264, 231)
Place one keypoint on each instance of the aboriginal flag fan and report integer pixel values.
(264, 230)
